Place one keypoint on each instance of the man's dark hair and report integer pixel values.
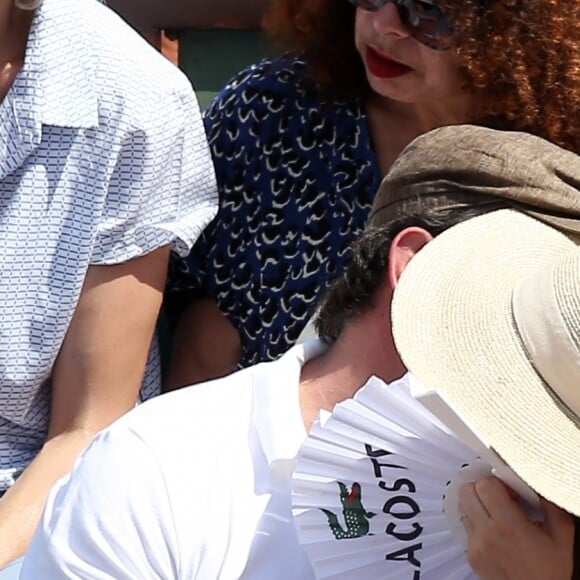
(353, 292)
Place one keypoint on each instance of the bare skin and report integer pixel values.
(99, 370)
(394, 125)
(96, 378)
(336, 375)
(504, 545)
(206, 345)
(14, 27)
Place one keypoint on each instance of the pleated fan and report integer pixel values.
(375, 486)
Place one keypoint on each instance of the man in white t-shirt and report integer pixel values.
(196, 484)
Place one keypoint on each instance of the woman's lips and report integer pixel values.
(383, 67)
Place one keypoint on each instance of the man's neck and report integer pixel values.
(365, 348)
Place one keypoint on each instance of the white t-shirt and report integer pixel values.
(103, 158)
(193, 484)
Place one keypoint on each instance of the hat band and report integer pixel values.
(547, 341)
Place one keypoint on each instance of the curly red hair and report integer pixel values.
(521, 58)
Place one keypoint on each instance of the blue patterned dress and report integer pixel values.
(296, 179)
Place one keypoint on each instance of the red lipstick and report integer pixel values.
(383, 67)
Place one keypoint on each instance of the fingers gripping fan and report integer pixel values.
(375, 487)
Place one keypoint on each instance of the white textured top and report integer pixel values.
(194, 484)
(103, 158)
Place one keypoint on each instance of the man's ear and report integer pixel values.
(403, 247)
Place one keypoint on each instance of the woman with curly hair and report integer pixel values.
(301, 142)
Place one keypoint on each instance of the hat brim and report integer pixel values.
(454, 329)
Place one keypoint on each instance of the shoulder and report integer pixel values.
(274, 84)
(286, 73)
(272, 101)
(128, 74)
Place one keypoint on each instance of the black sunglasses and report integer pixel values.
(424, 21)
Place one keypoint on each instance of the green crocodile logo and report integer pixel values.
(356, 517)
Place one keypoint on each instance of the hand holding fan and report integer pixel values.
(370, 484)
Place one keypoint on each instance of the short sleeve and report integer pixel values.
(105, 523)
(162, 187)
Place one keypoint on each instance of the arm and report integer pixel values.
(504, 545)
(96, 378)
(205, 346)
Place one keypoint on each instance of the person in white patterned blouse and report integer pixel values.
(104, 167)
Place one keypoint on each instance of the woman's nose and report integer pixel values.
(388, 22)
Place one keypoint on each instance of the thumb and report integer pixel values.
(558, 524)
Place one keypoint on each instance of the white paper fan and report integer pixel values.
(371, 482)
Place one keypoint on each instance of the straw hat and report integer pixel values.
(488, 315)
